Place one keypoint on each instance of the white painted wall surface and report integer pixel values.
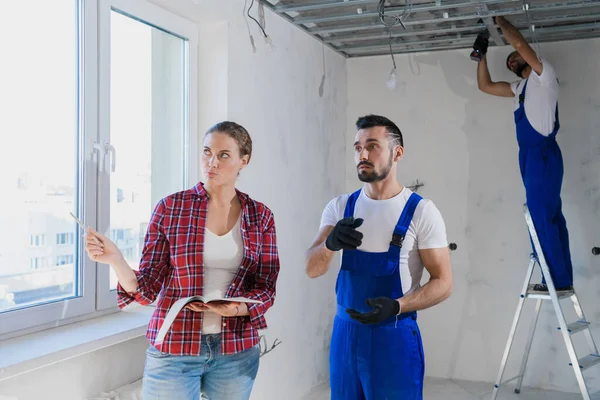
(461, 143)
(81, 377)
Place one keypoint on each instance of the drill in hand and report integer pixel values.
(480, 46)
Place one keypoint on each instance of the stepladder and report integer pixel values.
(567, 330)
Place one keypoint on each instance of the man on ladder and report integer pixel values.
(540, 161)
(540, 158)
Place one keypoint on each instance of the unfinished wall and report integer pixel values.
(461, 143)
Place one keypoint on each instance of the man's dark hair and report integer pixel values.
(508, 59)
(371, 121)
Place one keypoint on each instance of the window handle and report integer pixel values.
(98, 155)
(113, 155)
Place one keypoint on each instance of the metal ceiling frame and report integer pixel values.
(352, 27)
(393, 10)
(595, 16)
(466, 42)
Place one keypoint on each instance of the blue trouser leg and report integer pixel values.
(344, 379)
(383, 362)
(396, 365)
(543, 180)
(564, 239)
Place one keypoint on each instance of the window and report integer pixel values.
(147, 105)
(64, 158)
(65, 259)
(37, 240)
(39, 262)
(40, 172)
(65, 238)
(119, 195)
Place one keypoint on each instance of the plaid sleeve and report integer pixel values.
(266, 276)
(154, 265)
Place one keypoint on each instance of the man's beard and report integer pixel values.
(520, 68)
(373, 176)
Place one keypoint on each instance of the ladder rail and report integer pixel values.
(579, 365)
(513, 328)
(557, 306)
(587, 332)
(538, 308)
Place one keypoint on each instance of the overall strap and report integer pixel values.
(349, 210)
(405, 219)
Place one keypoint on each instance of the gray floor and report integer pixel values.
(442, 389)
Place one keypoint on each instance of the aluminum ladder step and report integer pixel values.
(576, 326)
(588, 361)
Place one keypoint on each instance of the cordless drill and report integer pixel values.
(480, 46)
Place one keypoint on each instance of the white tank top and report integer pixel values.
(222, 259)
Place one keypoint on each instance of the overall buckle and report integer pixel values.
(397, 240)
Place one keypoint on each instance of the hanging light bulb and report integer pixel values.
(391, 82)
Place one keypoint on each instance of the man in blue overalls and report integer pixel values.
(540, 158)
(388, 235)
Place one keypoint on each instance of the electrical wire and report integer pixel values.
(395, 19)
(531, 28)
(391, 52)
(246, 18)
(255, 20)
(248, 26)
(322, 85)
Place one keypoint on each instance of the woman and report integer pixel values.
(205, 240)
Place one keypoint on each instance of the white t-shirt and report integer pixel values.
(540, 99)
(427, 229)
(222, 259)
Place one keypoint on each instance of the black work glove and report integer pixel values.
(383, 308)
(344, 235)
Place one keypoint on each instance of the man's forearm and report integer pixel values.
(318, 259)
(512, 34)
(483, 74)
(433, 292)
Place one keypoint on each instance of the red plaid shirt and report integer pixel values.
(171, 268)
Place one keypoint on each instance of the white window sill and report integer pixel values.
(26, 353)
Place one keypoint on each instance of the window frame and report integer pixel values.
(164, 20)
(93, 119)
(44, 313)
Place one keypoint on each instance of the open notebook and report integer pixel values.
(179, 304)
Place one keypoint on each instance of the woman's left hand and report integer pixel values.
(228, 309)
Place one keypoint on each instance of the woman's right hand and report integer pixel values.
(101, 249)
(197, 306)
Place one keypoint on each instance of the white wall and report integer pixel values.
(461, 144)
(81, 377)
(296, 167)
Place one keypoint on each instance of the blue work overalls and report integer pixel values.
(380, 361)
(541, 165)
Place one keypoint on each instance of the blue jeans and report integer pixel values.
(216, 376)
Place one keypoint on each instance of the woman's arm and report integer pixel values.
(154, 264)
(102, 249)
(266, 276)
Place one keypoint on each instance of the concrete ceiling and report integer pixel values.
(354, 27)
